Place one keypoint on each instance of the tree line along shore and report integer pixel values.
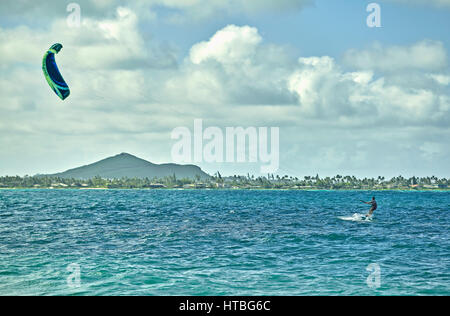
(337, 182)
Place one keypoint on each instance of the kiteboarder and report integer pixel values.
(373, 208)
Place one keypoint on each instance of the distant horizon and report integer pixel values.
(281, 174)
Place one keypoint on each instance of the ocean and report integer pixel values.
(223, 242)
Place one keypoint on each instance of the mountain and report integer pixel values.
(126, 165)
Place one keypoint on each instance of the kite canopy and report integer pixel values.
(52, 74)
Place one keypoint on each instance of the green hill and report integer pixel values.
(129, 166)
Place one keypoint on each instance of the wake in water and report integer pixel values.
(357, 217)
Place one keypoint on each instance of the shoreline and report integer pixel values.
(225, 189)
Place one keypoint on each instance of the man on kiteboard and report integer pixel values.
(373, 208)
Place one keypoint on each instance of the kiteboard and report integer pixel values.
(356, 218)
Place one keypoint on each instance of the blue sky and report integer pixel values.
(329, 27)
(348, 99)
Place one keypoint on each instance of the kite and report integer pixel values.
(52, 74)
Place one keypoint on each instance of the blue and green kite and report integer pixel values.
(52, 74)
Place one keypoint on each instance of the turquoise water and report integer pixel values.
(222, 243)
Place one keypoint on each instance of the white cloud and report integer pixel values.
(430, 150)
(200, 9)
(440, 78)
(325, 90)
(435, 3)
(110, 43)
(230, 45)
(233, 67)
(179, 11)
(424, 55)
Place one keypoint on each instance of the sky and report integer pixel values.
(347, 98)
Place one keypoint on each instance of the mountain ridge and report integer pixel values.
(125, 165)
